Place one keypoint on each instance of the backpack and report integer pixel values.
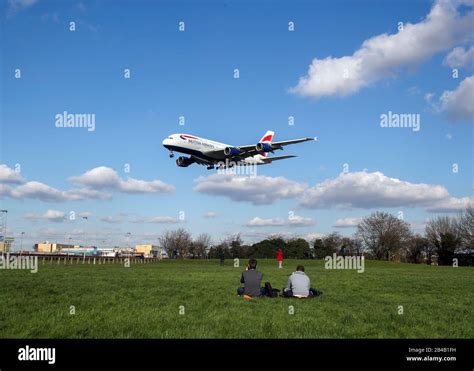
(270, 291)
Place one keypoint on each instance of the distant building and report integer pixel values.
(47, 247)
(149, 250)
(6, 244)
(81, 251)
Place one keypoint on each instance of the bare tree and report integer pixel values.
(415, 248)
(465, 227)
(176, 243)
(436, 228)
(327, 245)
(383, 234)
(333, 242)
(350, 246)
(200, 245)
(442, 234)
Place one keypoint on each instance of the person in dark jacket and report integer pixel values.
(252, 281)
(222, 257)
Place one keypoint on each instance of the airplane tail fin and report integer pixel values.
(268, 137)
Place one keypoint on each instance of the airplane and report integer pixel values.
(215, 154)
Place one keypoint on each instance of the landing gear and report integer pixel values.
(171, 154)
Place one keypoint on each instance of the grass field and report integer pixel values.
(144, 301)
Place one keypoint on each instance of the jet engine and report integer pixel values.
(264, 147)
(231, 151)
(184, 161)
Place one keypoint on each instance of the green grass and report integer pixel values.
(143, 301)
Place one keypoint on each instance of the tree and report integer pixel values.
(178, 241)
(234, 244)
(279, 242)
(357, 248)
(441, 233)
(383, 234)
(327, 245)
(415, 248)
(265, 249)
(298, 249)
(200, 245)
(465, 227)
(449, 242)
(219, 250)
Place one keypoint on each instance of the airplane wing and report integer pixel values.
(200, 161)
(250, 150)
(269, 160)
(281, 144)
(275, 145)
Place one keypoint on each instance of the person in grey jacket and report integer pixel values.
(299, 285)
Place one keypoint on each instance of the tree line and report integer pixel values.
(380, 236)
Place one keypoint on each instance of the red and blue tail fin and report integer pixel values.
(267, 138)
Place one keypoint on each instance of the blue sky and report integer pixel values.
(190, 73)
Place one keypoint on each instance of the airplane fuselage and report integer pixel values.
(204, 149)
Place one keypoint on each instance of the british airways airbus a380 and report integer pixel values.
(210, 153)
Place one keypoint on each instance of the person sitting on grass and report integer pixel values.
(252, 280)
(299, 285)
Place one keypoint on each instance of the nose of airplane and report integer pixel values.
(166, 142)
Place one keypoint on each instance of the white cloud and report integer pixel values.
(459, 57)
(86, 193)
(51, 215)
(458, 104)
(259, 222)
(43, 192)
(299, 221)
(9, 176)
(310, 237)
(383, 55)
(103, 177)
(258, 190)
(100, 178)
(4, 190)
(347, 222)
(375, 190)
(96, 181)
(360, 190)
(157, 220)
(15, 6)
(111, 219)
(163, 220)
(294, 221)
(451, 205)
(136, 186)
(254, 234)
(210, 214)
